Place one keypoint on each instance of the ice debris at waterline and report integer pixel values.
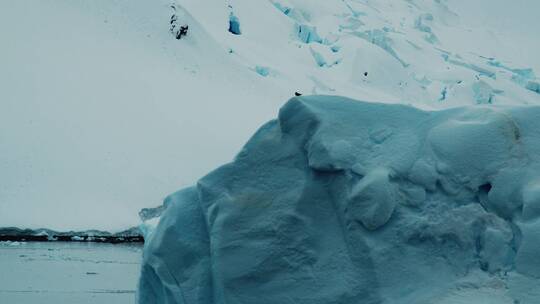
(341, 201)
(132, 235)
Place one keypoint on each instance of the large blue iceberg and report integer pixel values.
(342, 201)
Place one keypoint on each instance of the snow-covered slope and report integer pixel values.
(341, 201)
(103, 111)
(424, 52)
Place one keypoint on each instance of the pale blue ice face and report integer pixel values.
(342, 201)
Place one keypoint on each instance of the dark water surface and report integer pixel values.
(68, 272)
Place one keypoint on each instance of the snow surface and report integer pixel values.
(103, 111)
(343, 201)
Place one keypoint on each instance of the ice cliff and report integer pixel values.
(341, 201)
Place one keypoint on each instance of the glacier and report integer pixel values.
(107, 118)
(343, 201)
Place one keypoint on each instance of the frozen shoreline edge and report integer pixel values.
(13, 234)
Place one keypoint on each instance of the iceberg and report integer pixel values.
(343, 201)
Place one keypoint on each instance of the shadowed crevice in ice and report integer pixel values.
(381, 39)
(234, 24)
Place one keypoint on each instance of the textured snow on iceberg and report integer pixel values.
(341, 201)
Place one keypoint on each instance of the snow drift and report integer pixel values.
(339, 201)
